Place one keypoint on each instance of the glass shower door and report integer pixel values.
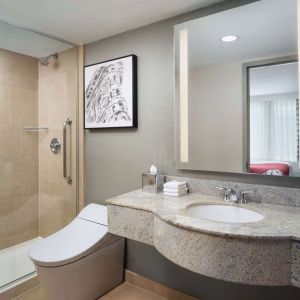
(35, 102)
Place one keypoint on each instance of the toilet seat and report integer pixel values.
(87, 233)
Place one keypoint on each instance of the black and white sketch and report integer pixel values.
(111, 93)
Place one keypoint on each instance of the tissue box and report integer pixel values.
(152, 183)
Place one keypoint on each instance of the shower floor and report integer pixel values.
(15, 263)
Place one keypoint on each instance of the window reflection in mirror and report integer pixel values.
(274, 119)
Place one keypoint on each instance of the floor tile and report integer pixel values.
(127, 291)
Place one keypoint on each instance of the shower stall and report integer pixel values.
(39, 151)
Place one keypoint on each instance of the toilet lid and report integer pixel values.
(71, 243)
(95, 213)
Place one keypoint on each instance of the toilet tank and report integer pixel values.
(94, 213)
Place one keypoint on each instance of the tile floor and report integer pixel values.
(135, 287)
(34, 294)
(125, 291)
(128, 291)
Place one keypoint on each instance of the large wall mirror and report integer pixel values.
(237, 103)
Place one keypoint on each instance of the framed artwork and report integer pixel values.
(111, 93)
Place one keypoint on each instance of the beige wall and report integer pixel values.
(115, 158)
(58, 94)
(19, 149)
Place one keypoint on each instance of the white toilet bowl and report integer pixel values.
(82, 261)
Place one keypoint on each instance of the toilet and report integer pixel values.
(82, 261)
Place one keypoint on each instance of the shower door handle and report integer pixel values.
(68, 122)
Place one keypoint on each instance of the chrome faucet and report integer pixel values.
(244, 194)
(230, 195)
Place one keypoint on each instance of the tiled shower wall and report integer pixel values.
(19, 149)
(34, 198)
(58, 92)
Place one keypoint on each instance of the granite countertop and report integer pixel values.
(280, 222)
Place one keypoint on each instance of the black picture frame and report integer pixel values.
(109, 100)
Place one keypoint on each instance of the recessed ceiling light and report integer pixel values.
(229, 38)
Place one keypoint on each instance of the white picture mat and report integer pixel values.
(126, 91)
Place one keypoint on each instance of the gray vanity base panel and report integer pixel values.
(295, 261)
(255, 262)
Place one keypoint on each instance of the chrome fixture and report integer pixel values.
(34, 129)
(68, 122)
(243, 198)
(55, 145)
(44, 61)
(230, 194)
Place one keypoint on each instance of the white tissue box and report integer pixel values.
(152, 183)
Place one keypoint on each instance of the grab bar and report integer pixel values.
(68, 122)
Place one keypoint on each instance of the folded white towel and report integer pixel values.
(174, 184)
(180, 190)
(175, 194)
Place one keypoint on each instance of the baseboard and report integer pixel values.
(155, 287)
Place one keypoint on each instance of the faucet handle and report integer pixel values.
(221, 188)
(225, 192)
(244, 195)
(228, 192)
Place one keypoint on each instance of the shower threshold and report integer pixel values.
(15, 264)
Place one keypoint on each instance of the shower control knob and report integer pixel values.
(55, 145)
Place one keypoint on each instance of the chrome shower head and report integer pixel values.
(44, 61)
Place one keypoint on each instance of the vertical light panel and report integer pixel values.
(183, 94)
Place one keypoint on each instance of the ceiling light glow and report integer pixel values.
(229, 38)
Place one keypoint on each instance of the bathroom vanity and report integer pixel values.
(236, 79)
(264, 252)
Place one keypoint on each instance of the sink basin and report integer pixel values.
(224, 213)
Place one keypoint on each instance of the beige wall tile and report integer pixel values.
(58, 94)
(19, 155)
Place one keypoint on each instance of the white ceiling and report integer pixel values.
(86, 21)
(275, 79)
(22, 41)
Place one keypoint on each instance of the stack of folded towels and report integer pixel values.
(175, 188)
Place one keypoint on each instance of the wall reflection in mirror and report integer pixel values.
(236, 104)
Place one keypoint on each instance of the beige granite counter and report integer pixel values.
(279, 221)
(262, 253)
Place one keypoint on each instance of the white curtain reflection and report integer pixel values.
(273, 128)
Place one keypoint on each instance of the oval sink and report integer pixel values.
(224, 213)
